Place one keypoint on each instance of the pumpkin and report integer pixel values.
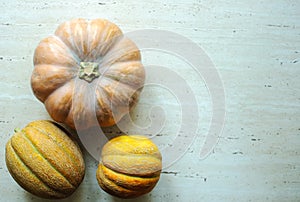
(130, 166)
(44, 160)
(88, 73)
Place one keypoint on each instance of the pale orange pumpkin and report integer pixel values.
(87, 73)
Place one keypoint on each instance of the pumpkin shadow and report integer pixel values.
(109, 132)
(112, 132)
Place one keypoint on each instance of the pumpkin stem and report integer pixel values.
(16, 130)
(89, 71)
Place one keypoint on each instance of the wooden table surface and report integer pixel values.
(255, 47)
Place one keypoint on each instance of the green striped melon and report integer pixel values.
(44, 160)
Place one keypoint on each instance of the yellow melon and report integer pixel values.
(44, 160)
(130, 166)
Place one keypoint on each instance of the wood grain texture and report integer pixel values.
(255, 45)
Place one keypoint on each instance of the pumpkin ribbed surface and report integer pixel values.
(130, 166)
(87, 73)
(44, 160)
